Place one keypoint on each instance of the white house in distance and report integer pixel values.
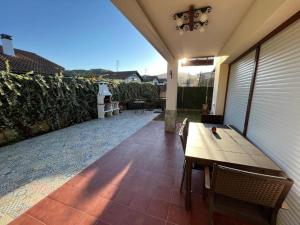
(126, 76)
(162, 81)
(155, 80)
(150, 79)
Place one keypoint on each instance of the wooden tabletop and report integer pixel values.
(227, 147)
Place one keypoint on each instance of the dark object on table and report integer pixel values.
(253, 197)
(214, 130)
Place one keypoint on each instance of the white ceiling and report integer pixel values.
(223, 19)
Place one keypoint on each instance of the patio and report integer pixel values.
(33, 168)
(256, 82)
(135, 183)
(256, 52)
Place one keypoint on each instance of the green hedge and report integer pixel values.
(34, 104)
(193, 97)
(128, 92)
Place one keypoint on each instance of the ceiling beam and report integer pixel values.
(199, 62)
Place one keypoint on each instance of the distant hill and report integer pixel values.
(91, 72)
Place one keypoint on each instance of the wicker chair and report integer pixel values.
(249, 196)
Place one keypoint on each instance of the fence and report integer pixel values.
(194, 97)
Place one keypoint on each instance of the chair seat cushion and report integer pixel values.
(256, 214)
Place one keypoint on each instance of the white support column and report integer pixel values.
(171, 97)
(220, 84)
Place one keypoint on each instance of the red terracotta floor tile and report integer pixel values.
(87, 202)
(101, 223)
(133, 218)
(158, 208)
(199, 217)
(114, 214)
(150, 220)
(55, 213)
(140, 186)
(26, 220)
(220, 219)
(166, 181)
(179, 215)
(140, 203)
(136, 183)
(163, 193)
(171, 171)
(79, 181)
(198, 202)
(109, 191)
(124, 196)
(240, 222)
(177, 198)
(95, 170)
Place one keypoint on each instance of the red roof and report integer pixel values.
(24, 62)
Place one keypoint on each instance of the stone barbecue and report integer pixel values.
(106, 107)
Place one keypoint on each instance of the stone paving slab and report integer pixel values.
(33, 168)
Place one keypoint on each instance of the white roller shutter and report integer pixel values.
(240, 77)
(274, 123)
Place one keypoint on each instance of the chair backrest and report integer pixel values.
(183, 133)
(186, 121)
(260, 189)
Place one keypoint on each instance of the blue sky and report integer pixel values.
(79, 34)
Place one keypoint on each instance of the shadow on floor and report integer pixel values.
(137, 183)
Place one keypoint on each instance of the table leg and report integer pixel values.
(188, 186)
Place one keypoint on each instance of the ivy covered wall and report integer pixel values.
(34, 104)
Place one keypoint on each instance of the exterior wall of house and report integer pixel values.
(239, 82)
(162, 83)
(132, 78)
(220, 85)
(274, 123)
(273, 109)
(154, 82)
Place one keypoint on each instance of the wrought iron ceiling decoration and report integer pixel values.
(193, 19)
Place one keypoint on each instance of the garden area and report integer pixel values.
(190, 101)
(36, 104)
(64, 110)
